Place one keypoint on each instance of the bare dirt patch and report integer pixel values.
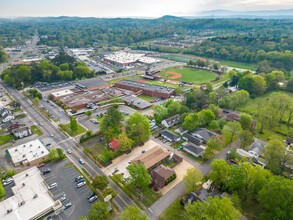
(142, 81)
(174, 75)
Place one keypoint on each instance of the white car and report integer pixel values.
(63, 198)
(52, 186)
(69, 151)
(51, 135)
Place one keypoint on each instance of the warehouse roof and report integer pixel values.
(91, 83)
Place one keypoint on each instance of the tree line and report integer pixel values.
(62, 68)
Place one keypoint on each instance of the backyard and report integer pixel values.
(5, 139)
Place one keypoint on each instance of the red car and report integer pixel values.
(233, 161)
(41, 165)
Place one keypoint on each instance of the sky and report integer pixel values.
(130, 8)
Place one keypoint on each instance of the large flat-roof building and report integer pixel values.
(92, 84)
(31, 199)
(146, 89)
(28, 154)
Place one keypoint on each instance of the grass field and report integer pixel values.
(173, 212)
(190, 74)
(5, 139)
(36, 130)
(185, 58)
(67, 129)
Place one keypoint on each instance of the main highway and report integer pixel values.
(50, 128)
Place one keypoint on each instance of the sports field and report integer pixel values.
(188, 74)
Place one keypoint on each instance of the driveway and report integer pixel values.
(85, 122)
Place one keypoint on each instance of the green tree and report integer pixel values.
(125, 143)
(99, 210)
(255, 85)
(220, 172)
(276, 198)
(245, 139)
(9, 173)
(140, 176)
(192, 179)
(273, 79)
(160, 113)
(132, 213)
(191, 122)
(100, 182)
(231, 131)
(206, 116)
(2, 191)
(274, 153)
(237, 179)
(214, 125)
(208, 154)
(245, 121)
(73, 124)
(214, 208)
(138, 128)
(88, 113)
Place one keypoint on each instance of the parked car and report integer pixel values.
(51, 135)
(63, 198)
(233, 161)
(52, 186)
(69, 151)
(143, 151)
(81, 161)
(67, 205)
(128, 152)
(41, 165)
(78, 178)
(93, 198)
(180, 148)
(91, 195)
(46, 171)
(7, 181)
(80, 184)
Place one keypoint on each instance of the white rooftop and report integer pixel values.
(62, 93)
(123, 57)
(29, 151)
(244, 153)
(31, 197)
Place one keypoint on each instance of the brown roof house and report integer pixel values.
(235, 116)
(152, 158)
(161, 176)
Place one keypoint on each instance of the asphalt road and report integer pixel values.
(67, 143)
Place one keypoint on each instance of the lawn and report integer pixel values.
(173, 212)
(67, 129)
(146, 98)
(189, 74)
(5, 139)
(240, 65)
(36, 130)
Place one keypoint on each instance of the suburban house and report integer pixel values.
(114, 145)
(256, 148)
(152, 158)
(160, 175)
(235, 116)
(180, 131)
(7, 117)
(170, 136)
(22, 132)
(193, 197)
(11, 125)
(193, 149)
(203, 134)
(4, 111)
(170, 122)
(192, 139)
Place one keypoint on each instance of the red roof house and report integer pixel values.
(114, 145)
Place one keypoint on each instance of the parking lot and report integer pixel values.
(55, 111)
(88, 124)
(65, 179)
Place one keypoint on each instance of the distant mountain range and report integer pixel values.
(288, 13)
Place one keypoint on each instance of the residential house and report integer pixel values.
(170, 122)
(193, 197)
(114, 145)
(256, 148)
(7, 117)
(160, 175)
(170, 136)
(11, 125)
(22, 132)
(203, 134)
(4, 111)
(235, 116)
(193, 149)
(180, 131)
(192, 139)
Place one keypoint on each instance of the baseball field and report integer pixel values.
(188, 74)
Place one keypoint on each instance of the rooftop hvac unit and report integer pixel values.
(23, 184)
(23, 155)
(35, 196)
(24, 145)
(22, 203)
(26, 174)
(9, 210)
